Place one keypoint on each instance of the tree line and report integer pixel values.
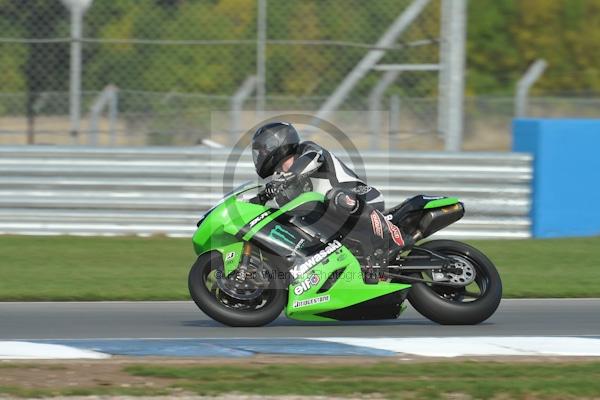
(504, 37)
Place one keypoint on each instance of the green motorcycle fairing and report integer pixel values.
(441, 202)
(334, 289)
(223, 228)
(325, 284)
(218, 227)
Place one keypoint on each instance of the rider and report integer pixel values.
(278, 153)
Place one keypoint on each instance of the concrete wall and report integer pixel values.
(566, 181)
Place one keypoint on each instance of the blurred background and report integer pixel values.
(140, 102)
(154, 72)
(125, 120)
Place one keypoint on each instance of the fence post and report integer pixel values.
(452, 80)
(375, 107)
(77, 9)
(533, 74)
(113, 111)
(244, 91)
(394, 114)
(443, 73)
(108, 96)
(261, 43)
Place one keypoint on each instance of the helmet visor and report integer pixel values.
(255, 156)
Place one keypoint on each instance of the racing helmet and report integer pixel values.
(271, 144)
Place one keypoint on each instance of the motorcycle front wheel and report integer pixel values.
(468, 305)
(214, 302)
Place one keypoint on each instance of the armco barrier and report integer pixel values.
(566, 185)
(144, 191)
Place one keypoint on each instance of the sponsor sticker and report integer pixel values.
(307, 284)
(311, 301)
(298, 246)
(306, 266)
(363, 189)
(376, 222)
(230, 255)
(259, 218)
(432, 197)
(396, 234)
(283, 235)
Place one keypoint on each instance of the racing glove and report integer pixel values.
(277, 183)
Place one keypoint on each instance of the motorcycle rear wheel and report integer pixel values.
(216, 304)
(448, 305)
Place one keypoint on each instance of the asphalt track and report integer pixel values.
(77, 320)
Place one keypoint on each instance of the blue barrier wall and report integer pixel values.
(566, 182)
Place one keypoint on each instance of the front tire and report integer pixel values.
(445, 305)
(205, 297)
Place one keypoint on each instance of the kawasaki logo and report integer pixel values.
(315, 259)
(310, 302)
(283, 235)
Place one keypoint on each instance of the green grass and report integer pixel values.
(94, 268)
(393, 380)
(420, 380)
(17, 391)
(131, 268)
(546, 268)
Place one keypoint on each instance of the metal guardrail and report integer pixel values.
(163, 190)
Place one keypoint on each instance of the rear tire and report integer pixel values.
(207, 302)
(432, 305)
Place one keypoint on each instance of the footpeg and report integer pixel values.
(370, 276)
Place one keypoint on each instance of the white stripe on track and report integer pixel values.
(25, 350)
(480, 346)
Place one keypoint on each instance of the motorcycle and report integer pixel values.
(255, 260)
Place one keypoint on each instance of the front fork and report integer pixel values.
(251, 272)
(242, 269)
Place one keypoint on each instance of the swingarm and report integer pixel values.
(441, 270)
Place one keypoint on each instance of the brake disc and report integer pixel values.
(244, 287)
(467, 275)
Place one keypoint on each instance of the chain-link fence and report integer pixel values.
(175, 62)
(179, 71)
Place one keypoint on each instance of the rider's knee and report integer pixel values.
(344, 201)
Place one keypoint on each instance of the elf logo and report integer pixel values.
(307, 284)
(303, 268)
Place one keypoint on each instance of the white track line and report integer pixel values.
(480, 346)
(39, 351)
